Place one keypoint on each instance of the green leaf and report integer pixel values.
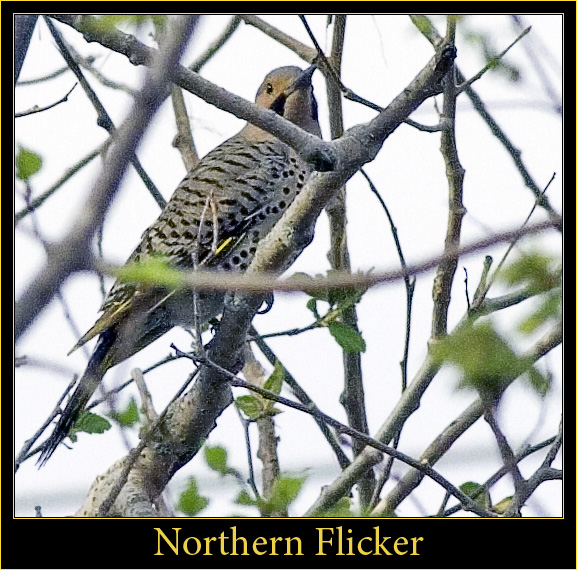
(107, 22)
(275, 380)
(537, 271)
(28, 163)
(216, 457)
(250, 406)
(244, 498)
(469, 488)
(538, 382)
(483, 498)
(550, 309)
(285, 491)
(190, 501)
(312, 306)
(487, 361)
(153, 271)
(88, 422)
(127, 417)
(423, 24)
(344, 298)
(541, 274)
(501, 507)
(347, 337)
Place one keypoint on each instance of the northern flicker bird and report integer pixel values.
(220, 211)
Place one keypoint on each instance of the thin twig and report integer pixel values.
(426, 27)
(245, 426)
(544, 473)
(536, 62)
(104, 119)
(409, 292)
(88, 64)
(69, 173)
(409, 284)
(288, 332)
(505, 449)
(491, 64)
(481, 290)
(467, 289)
(305, 52)
(514, 242)
(37, 109)
(326, 66)
(121, 387)
(499, 474)
(145, 397)
(43, 78)
(215, 45)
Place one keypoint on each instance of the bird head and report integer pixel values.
(288, 91)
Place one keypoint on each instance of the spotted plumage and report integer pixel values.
(214, 220)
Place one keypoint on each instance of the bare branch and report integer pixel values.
(455, 175)
(303, 398)
(468, 503)
(103, 119)
(37, 109)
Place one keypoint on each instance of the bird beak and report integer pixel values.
(304, 80)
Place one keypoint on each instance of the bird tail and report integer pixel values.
(86, 387)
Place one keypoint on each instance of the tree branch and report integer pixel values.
(315, 151)
(103, 118)
(455, 173)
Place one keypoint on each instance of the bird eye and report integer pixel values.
(269, 88)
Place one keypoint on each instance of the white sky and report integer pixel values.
(382, 54)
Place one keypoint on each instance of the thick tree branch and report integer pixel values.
(455, 174)
(320, 154)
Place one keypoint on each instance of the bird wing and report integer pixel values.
(225, 192)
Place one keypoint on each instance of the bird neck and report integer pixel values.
(299, 108)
